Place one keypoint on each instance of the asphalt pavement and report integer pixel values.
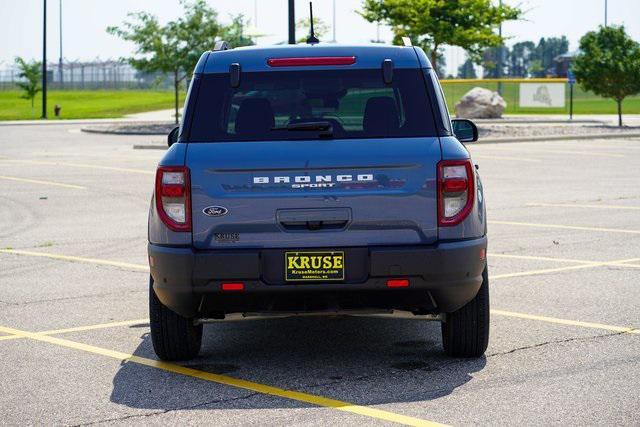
(564, 260)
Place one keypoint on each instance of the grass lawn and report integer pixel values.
(92, 104)
(89, 104)
(583, 102)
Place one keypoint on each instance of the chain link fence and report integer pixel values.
(93, 75)
(538, 96)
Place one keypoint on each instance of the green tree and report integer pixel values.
(467, 70)
(519, 58)
(431, 24)
(609, 64)
(31, 74)
(319, 28)
(175, 48)
(546, 51)
(234, 32)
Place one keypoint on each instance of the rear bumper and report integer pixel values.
(443, 278)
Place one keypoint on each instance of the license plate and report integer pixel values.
(304, 266)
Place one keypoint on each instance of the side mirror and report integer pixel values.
(465, 130)
(172, 138)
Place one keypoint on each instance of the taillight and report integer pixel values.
(173, 197)
(456, 190)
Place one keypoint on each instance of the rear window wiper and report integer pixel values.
(325, 128)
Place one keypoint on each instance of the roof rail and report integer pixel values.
(221, 45)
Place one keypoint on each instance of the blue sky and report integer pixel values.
(84, 23)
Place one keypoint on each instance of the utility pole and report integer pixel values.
(334, 21)
(500, 54)
(292, 22)
(60, 74)
(605, 12)
(44, 61)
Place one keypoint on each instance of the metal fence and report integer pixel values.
(98, 74)
(538, 96)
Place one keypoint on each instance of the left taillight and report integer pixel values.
(173, 197)
(456, 190)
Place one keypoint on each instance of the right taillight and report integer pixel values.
(456, 190)
(173, 197)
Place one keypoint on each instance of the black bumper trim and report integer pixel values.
(451, 272)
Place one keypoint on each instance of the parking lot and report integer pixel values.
(564, 263)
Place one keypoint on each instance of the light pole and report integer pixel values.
(334, 21)
(605, 12)
(60, 74)
(500, 53)
(292, 22)
(44, 61)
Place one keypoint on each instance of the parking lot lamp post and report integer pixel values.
(292, 22)
(44, 61)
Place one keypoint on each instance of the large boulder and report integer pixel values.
(480, 103)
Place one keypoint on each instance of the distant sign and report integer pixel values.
(571, 78)
(542, 95)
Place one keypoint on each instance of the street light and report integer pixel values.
(292, 22)
(44, 60)
(605, 12)
(60, 74)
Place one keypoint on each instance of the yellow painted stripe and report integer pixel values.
(37, 181)
(94, 327)
(76, 259)
(543, 271)
(81, 165)
(565, 227)
(229, 381)
(635, 331)
(520, 159)
(577, 205)
(538, 80)
(628, 265)
(553, 151)
(82, 328)
(540, 258)
(557, 269)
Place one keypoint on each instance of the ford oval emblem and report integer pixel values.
(215, 211)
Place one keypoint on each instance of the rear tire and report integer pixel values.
(174, 337)
(465, 332)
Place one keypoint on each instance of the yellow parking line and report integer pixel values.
(565, 227)
(635, 331)
(229, 381)
(82, 328)
(76, 259)
(93, 327)
(618, 263)
(539, 258)
(573, 152)
(37, 181)
(520, 159)
(628, 265)
(543, 271)
(81, 165)
(577, 205)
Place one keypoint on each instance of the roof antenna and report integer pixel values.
(312, 39)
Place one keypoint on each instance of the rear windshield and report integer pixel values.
(340, 103)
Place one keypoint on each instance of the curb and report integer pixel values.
(507, 122)
(483, 141)
(559, 138)
(117, 132)
(150, 147)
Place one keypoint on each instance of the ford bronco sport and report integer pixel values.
(317, 179)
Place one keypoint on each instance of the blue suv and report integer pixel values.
(317, 179)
